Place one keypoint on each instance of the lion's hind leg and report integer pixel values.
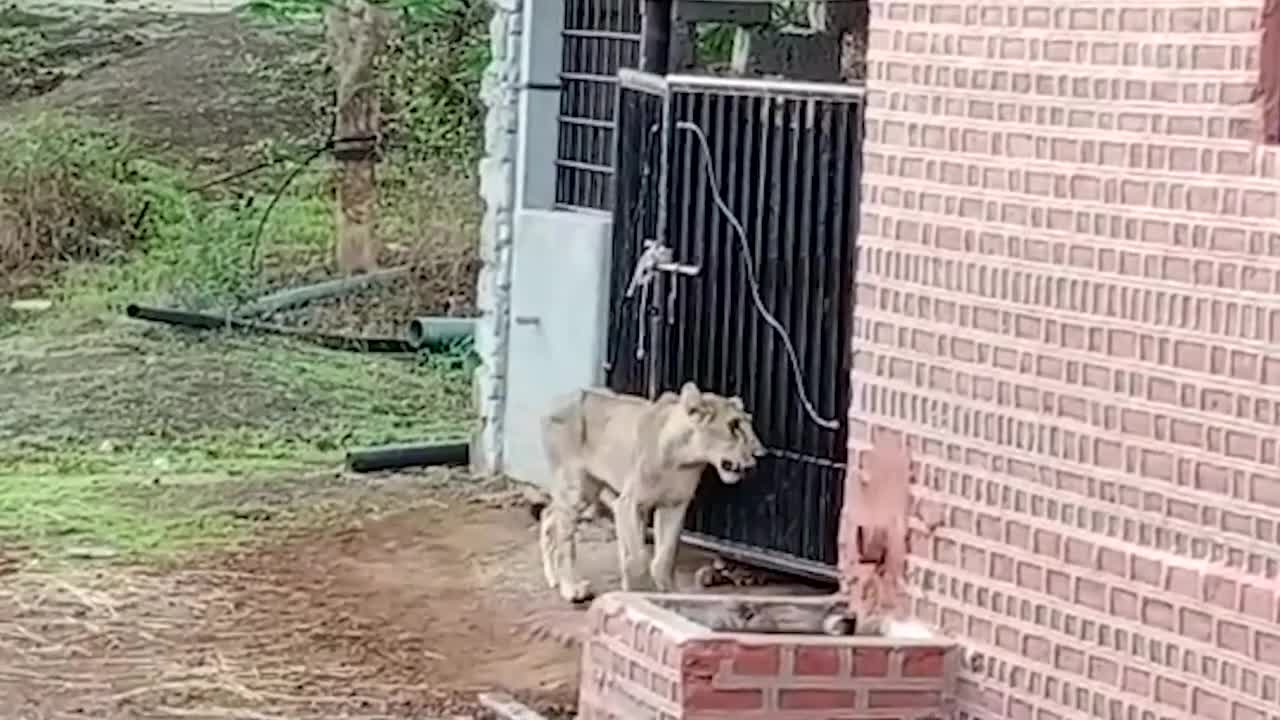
(575, 491)
(546, 541)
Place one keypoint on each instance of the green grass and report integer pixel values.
(130, 226)
(137, 441)
(114, 516)
(145, 443)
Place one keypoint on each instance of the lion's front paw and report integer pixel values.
(577, 592)
(664, 578)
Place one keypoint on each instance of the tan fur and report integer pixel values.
(635, 456)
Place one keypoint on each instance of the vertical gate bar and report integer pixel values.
(657, 293)
(761, 111)
(740, 176)
(806, 248)
(772, 161)
(759, 332)
(729, 182)
(824, 365)
(795, 264)
(810, 247)
(681, 248)
(724, 515)
(621, 227)
(823, 327)
(695, 241)
(705, 236)
(848, 152)
(780, 302)
(784, 308)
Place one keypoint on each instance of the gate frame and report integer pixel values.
(665, 86)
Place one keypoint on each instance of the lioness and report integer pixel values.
(635, 456)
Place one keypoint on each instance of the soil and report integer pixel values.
(407, 616)
(204, 86)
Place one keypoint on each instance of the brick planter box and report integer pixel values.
(644, 658)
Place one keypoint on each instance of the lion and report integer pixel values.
(634, 456)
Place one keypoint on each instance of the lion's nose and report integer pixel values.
(728, 466)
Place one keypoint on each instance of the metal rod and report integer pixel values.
(753, 86)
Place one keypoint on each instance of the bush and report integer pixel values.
(67, 193)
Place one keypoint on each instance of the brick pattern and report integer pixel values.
(1068, 306)
(638, 663)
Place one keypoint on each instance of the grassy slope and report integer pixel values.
(133, 439)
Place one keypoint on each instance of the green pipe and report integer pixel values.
(434, 331)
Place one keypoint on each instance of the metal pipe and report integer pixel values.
(293, 297)
(207, 321)
(655, 43)
(427, 331)
(772, 88)
(394, 457)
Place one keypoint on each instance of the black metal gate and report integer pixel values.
(785, 159)
(600, 37)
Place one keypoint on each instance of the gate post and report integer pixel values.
(655, 43)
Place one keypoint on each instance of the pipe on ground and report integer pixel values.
(434, 331)
(207, 321)
(394, 457)
(294, 297)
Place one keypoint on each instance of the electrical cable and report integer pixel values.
(829, 424)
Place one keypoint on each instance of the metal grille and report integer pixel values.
(787, 161)
(600, 37)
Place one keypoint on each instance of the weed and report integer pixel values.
(67, 192)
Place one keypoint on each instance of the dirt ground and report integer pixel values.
(202, 85)
(407, 615)
(397, 616)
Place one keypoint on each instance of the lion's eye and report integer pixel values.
(735, 426)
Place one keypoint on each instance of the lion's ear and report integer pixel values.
(694, 403)
(736, 403)
(690, 396)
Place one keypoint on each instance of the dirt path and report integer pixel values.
(397, 617)
(188, 76)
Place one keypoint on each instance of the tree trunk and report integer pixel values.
(356, 36)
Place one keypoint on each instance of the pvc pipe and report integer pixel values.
(403, 456)
(206, 321)
(293, 297)
(427, 331)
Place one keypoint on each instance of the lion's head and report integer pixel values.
(721, 433)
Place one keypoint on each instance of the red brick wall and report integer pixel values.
(1068, 303)
(644, 663)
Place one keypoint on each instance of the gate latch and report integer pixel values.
(657, 258)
